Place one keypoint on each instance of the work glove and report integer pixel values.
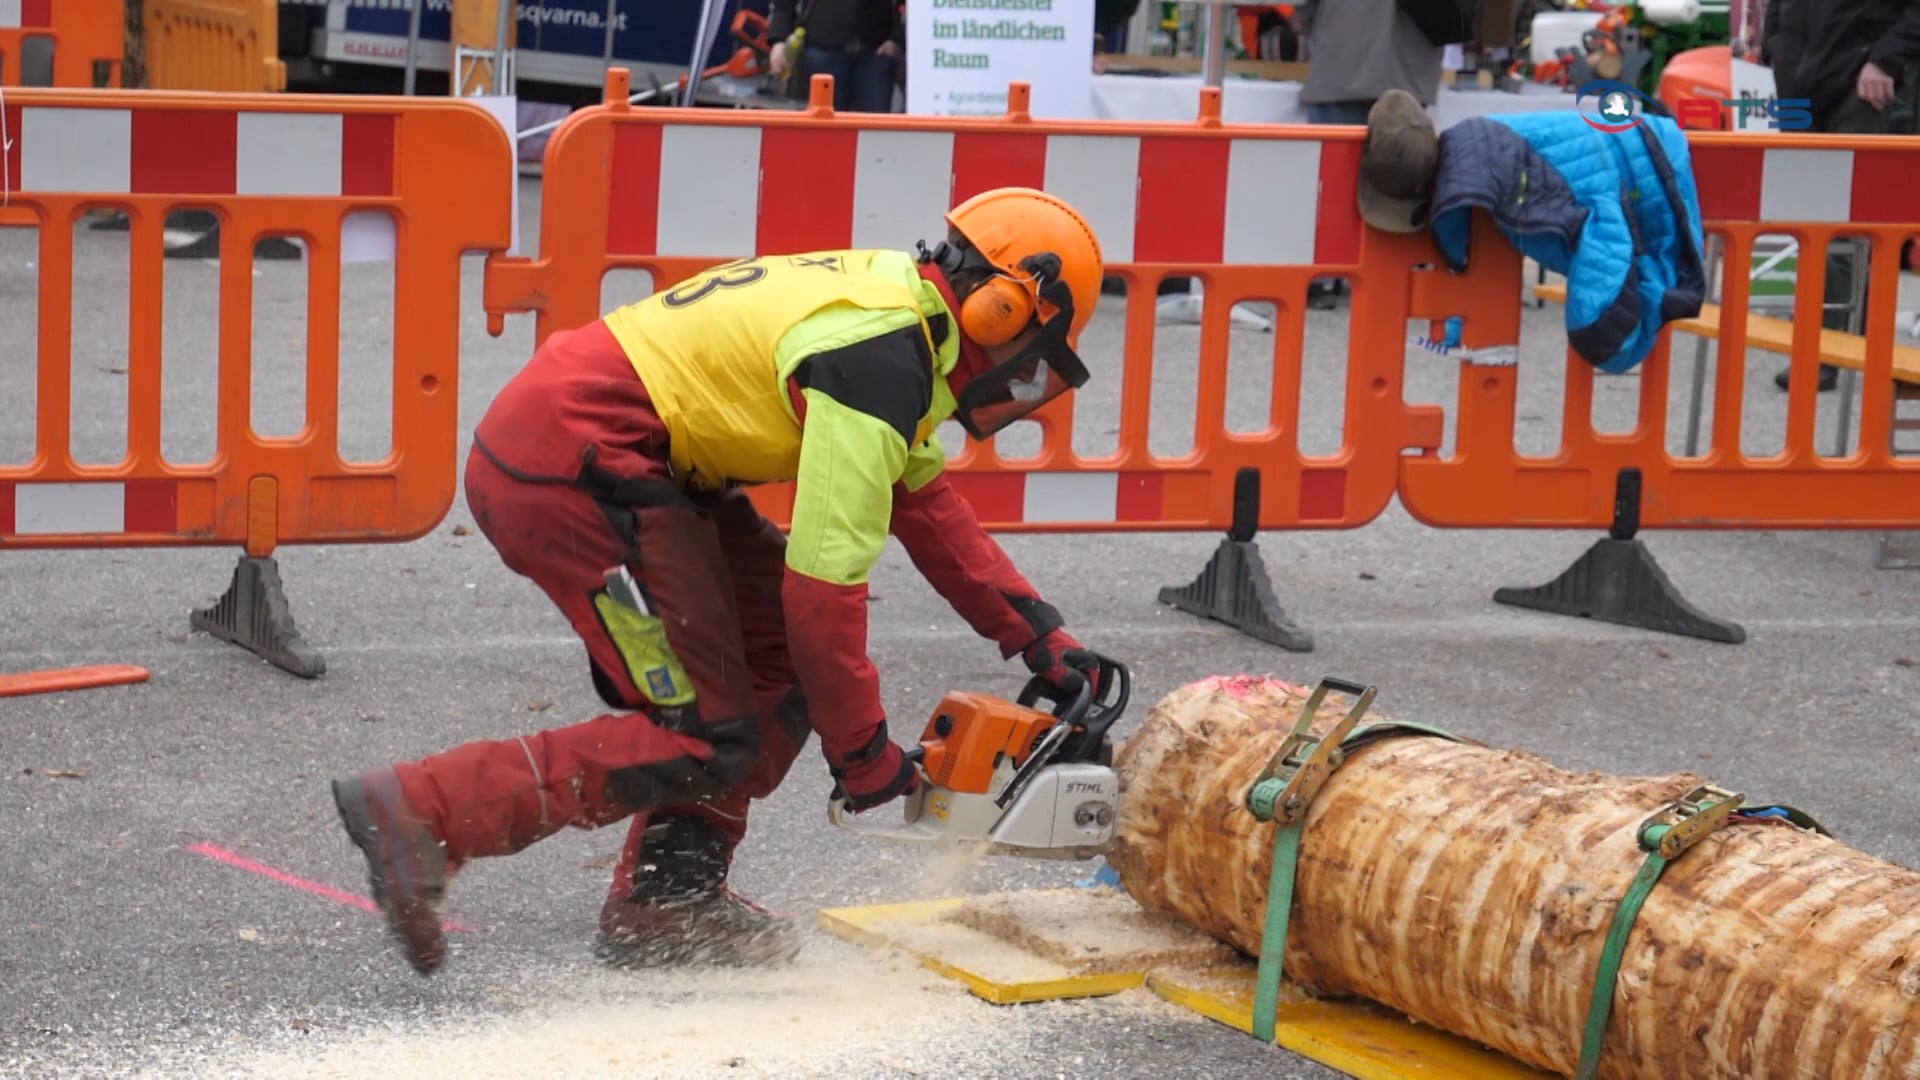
(1064, 662)
(874, 775)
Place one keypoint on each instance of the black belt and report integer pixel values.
(605, 486)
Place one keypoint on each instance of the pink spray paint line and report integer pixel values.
(1239, 686)
(221, 854)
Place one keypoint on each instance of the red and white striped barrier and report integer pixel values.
(107, 151)
(1038, 498)
(1792, 184)
(25, 14)
(728, 190)
(1093, 499)
(102, 508)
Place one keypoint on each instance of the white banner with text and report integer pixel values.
(961, 54)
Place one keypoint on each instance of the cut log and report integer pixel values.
(1471, 889)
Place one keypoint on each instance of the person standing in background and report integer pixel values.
(1857, 63)
(1358, 50)
(858, 42)
(1109, 18)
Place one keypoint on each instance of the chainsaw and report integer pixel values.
(1023, 780)
(1041, 784)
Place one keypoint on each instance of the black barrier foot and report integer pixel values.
(1618, 581)
(255, 615)
(1234, 587)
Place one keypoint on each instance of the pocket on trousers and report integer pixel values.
(642, 641)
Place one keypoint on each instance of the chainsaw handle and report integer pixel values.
(1070, 709)
(1081, 710)
(1102, 713)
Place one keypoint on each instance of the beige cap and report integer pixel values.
(1396, 168)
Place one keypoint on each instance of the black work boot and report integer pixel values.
(681, 912)
(407, 866)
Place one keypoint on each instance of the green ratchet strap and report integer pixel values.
(1282, 793)
(1665, 836)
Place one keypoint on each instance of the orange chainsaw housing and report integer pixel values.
(970, 733)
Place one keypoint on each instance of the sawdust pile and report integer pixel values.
(837, 1012)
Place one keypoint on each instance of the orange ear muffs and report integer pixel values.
(996, 311)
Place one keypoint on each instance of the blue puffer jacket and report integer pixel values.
(1617, 213)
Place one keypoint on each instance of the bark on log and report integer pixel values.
(1471, 889)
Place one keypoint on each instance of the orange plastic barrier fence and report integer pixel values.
(1254, 212)
(231, 45)
(87, 39)
(1813, 189)
(437, 171)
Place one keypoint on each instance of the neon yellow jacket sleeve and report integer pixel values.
(864, 403)
(843, 498)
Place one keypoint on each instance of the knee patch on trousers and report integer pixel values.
(736, 746)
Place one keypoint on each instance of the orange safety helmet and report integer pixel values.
(1017, 256)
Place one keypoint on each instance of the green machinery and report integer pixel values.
(1666, 42)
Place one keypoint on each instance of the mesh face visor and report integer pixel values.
(1045, 369)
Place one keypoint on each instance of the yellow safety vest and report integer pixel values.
(716, 350)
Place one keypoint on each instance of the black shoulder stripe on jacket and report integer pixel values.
(889, 377)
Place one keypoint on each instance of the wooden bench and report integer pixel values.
(1837, 347)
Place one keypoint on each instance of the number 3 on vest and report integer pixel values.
(731, 276)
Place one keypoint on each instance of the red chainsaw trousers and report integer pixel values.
(568, 479)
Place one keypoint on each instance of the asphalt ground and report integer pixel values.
(135, 938)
